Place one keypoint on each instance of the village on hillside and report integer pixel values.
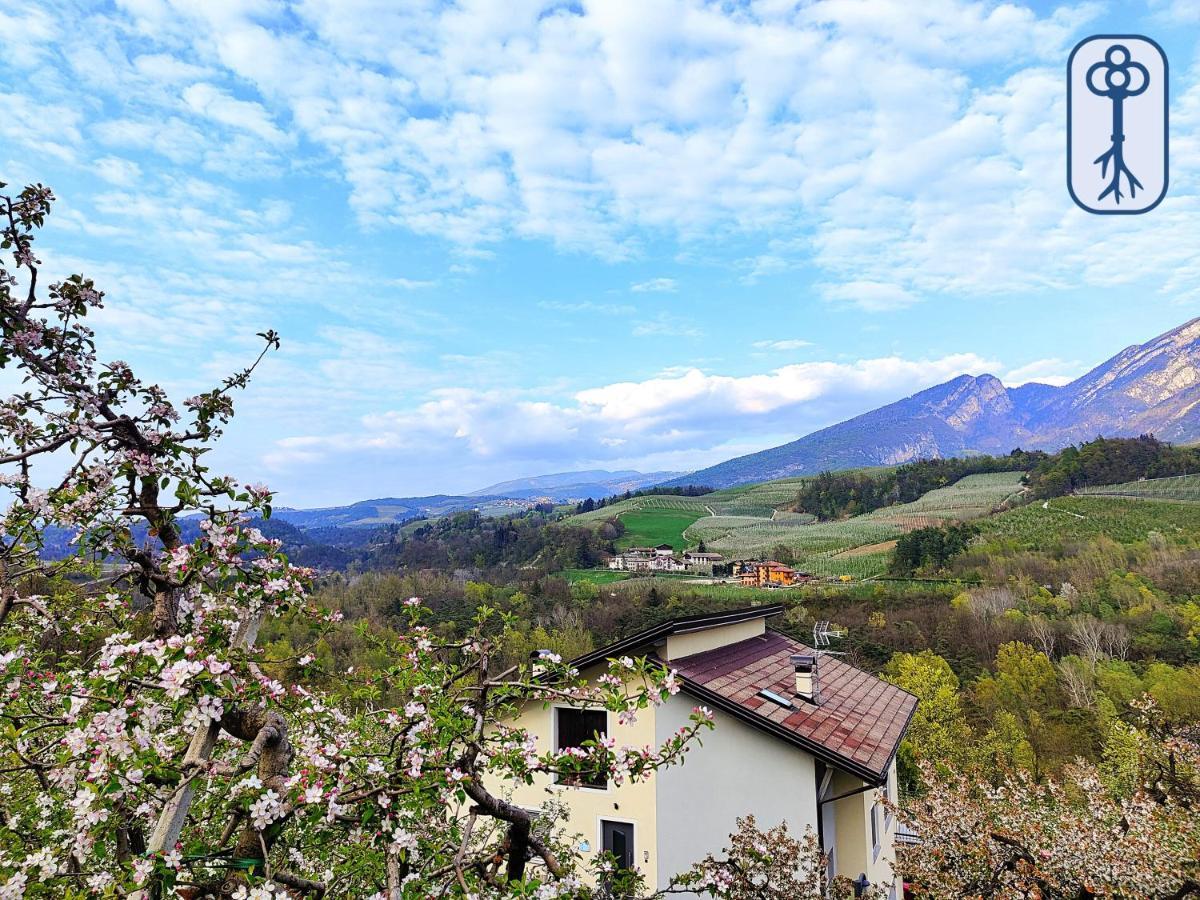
(749, 573)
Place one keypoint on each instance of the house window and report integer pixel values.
(572, 728)
(617, 838)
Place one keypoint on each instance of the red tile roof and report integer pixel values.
(857, 726)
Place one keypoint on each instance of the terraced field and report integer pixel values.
(968, 498)
(768, 494)
(655, 501)
(1127, 520)
(743, 522)
(833, 548)
(1183, 488)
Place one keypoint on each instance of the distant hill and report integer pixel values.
(498, 499)
(1146, 388)
(385, 511)
(594, 483)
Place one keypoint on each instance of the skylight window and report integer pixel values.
(775, 698)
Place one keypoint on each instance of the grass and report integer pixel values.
(593, 576)
(652, 526)
(1126, 520)
(654, 501)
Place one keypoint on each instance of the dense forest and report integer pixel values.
(930, 549)
(1110, 461)
(474, 543)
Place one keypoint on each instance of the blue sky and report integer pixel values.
(504, 238)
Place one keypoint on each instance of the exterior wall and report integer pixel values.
(764, 576)
(855, 853)
(587, 806)
(679, 645)
(738, 770)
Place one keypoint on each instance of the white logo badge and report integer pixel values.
(1117, 124)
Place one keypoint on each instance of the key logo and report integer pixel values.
(1117, 124)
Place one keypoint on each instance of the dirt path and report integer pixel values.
(1046, 505)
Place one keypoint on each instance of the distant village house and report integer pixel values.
(663, 559)
(768, 573)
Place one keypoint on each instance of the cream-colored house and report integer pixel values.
(800, 737)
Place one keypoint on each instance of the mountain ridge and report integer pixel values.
(594, 483)
(1145, 388)
(506, 496)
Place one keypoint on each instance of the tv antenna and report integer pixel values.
(824, 632)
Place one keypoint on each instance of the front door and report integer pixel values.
(617, 839)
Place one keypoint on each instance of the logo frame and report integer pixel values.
(1166, 124)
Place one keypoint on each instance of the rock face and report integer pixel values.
(1152, 388)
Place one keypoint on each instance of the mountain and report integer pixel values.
(1146, 388)
(498, 499)
(594, 483)
(385, 511)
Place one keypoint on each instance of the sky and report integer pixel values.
(509, 238)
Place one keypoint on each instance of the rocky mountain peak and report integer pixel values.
(1146, 388)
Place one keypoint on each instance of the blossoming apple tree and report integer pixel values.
(1083, 837)
(148, 748)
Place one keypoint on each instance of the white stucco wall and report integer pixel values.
(850, 833)
(737, 771)
(680, 645)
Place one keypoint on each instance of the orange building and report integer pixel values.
(766, 573)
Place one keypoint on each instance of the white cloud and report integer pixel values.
(607, 309)
(1044, 371)
(873, 140)
(782, 345)
(870, 295)
(685, 417)
(666, 325)
(412, 284)
(655, 285)
(121, 172)
(243, 115)
(51, 129)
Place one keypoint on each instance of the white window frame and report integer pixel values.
(559, 785)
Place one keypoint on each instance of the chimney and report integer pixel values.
(807, 684)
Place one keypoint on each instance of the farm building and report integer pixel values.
(701, 563)
(648, 559)
(663, 559)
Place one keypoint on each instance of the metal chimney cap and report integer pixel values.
(804, 662)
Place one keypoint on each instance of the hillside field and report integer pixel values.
(1179, 488)
(1126, 520)
(652, 526)
(745, 522)
(833, 548)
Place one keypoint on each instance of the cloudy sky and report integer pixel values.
(504, 237)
